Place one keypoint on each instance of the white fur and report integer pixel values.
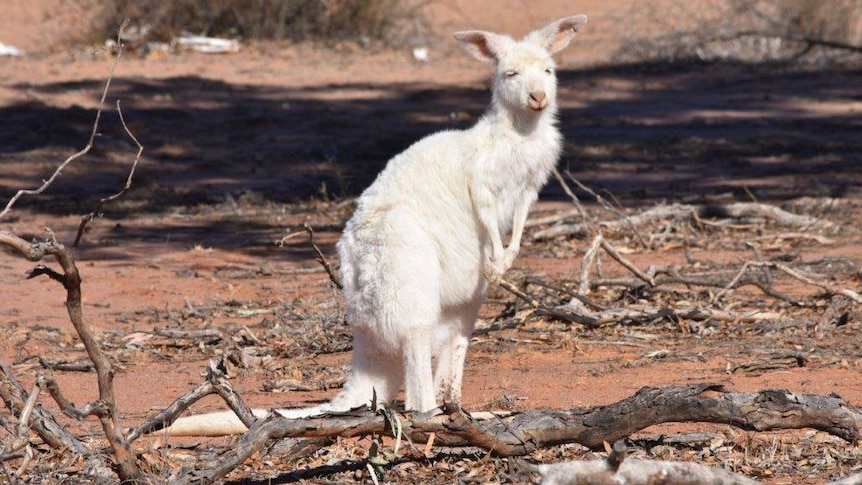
(427, 235)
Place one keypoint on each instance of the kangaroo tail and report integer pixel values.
(223, 423)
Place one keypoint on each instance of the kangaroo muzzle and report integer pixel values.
(538, 100)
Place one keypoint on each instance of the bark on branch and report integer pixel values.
(126, 464)
(736, 210)
(521, 433)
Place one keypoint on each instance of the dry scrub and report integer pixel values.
(748, 31)
(774, 293)
(317, 20)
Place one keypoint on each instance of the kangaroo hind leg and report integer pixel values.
(453, 338)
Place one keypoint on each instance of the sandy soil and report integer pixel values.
(242, 149)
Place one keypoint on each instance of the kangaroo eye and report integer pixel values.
(511, 73)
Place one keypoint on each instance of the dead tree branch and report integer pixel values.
(168, 415)
(85, 219)
(93, 133)
(626, 263)
(623, 217)
(570, 193)
(41, 421)
(105, 408)
(648, 313)
(829, 288)
(685, 211)
(127, 467)
(222, 387)
(216, 383)
(518, 434)
(95, 408)
(540, 309)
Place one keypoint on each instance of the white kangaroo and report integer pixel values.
(427, 236)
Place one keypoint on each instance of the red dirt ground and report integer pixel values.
(241, 149)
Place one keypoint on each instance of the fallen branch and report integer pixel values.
(553, 218)
(612, 251)
(22, 440)
(648, 313)
(70, 278)
(829, 288)
(684, 211)
(555, 312)
(521, 433)
(796, 235)
(95, 408)
(216, 383)
(168, 415)
(41, 422)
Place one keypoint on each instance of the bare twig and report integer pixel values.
(216, 375)
(829, 288)
(22, 440)
(511, 288)
(626, 263)
(649, 313)
(543, 310)
(607, 205)
(104, 200)
(93, 133)
(24, 419)
(590, 256)
(85, 366)
(42, 422)
(796, 235)
(568, 191)
(95, 408)
(168, 415)
(587, 263)
(321, 258)
(555, 218)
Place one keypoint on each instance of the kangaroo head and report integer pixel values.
(524, 80)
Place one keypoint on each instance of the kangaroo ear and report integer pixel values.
(485, 46)
(557, 35)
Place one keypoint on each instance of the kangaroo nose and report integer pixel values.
(538, 99)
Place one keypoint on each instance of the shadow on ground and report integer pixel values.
(643, 132)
